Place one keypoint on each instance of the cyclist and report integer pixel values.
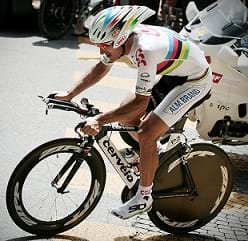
(156, 52)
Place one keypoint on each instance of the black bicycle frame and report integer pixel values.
(124, 169)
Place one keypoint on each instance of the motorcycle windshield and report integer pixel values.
(226, 18)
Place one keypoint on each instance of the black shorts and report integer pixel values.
(162, 88)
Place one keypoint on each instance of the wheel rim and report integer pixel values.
(45, 204)
(43, 221)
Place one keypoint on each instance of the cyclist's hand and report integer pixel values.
(62, 96)
(92, 126)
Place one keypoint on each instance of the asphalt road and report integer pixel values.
(31, 66)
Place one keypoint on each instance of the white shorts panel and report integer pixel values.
(179, 100)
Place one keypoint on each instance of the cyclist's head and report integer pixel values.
(114, 25)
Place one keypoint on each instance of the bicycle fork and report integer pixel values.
(74, 162)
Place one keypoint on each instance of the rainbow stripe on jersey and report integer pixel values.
(178, 51)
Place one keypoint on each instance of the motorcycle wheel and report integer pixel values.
(55, 17)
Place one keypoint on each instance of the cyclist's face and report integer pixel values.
(113, 53)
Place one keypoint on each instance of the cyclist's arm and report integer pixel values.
(133, 109)
(136, 107)
(91, 78)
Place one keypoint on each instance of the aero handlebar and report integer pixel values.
(86, 109)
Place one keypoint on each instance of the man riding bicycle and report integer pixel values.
(159, 54)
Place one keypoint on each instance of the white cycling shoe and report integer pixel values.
(136, 205)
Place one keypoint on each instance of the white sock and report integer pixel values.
(141, 202)
(145, 191)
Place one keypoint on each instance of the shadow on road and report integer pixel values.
(56, 237)
(171, 237)
(68, 41)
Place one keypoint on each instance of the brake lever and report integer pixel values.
(46, 102)
(79, 126)
(42, 98)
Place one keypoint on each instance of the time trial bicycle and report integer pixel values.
(58, 184)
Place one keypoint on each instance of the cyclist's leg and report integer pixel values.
(174, 105)
(169, 111)
(151, 128)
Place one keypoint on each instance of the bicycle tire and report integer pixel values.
(214, 183)
(55, 17)
(77, 204)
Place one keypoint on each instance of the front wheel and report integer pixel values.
(55, 17)
(55, 187)
(211, 171)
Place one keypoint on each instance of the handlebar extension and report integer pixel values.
(87, 109)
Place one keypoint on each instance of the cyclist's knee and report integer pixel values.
(151, 128)
(146, 134)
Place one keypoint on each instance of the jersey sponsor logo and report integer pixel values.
(145, 77)
(143, 91)
(217, 77)
(182, 100)
(140, 57)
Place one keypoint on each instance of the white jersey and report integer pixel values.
(160, 51)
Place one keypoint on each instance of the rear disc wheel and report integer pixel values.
(211, 171)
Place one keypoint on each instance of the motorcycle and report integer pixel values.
(55, 18)
(221, 31)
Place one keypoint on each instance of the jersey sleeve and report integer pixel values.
(146, 72)
(105, 59)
